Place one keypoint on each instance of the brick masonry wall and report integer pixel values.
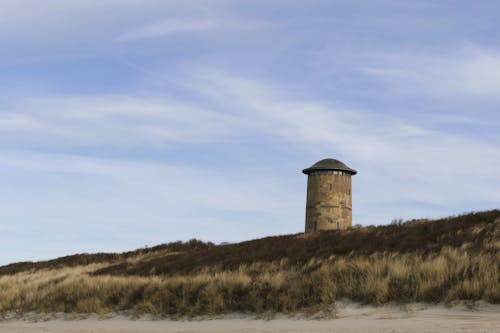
(329, 202)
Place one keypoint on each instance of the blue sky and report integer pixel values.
(126, 123)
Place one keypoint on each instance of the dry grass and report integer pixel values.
(469, 270)
(448, 275)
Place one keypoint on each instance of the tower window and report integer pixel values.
(331, 187)
(338, 225)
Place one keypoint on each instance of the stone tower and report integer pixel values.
(329, 196)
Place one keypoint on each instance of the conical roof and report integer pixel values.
(329, 164)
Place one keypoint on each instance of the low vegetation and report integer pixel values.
(450, 259)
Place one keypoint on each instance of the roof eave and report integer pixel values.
(307, 171)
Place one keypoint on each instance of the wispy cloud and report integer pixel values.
(178, 25)
(393, 154)
(470, 72)
(237, 108)
(278, 114)
(111, 120)
(233, 108)
(168, 27)
(94, 204)
(192, 184)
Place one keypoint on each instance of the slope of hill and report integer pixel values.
(431, 261)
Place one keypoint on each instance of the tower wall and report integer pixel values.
(329, 201)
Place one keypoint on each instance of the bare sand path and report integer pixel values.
(351, 318)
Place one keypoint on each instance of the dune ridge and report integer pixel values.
(440, 261)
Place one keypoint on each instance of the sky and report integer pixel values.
(130, 123)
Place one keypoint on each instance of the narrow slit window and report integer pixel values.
(331, 187)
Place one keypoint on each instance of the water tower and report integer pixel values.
(329, 196)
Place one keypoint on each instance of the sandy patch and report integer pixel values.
(484, 318)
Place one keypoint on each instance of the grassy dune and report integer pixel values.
(431, 261)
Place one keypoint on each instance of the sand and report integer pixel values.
(484, 318)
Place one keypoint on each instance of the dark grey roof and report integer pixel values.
(329, 164)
